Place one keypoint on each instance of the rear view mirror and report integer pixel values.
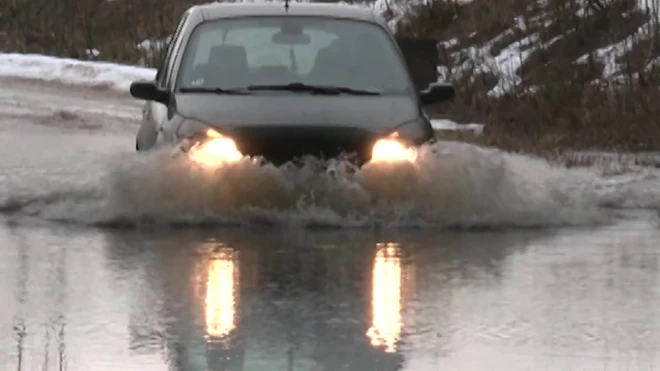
(437, 92)
(291, 33)
(422, 58)
(148, 90)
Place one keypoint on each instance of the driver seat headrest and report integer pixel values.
(228, 66)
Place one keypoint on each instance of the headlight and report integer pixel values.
(392, 149)
(398, 145)
(208, 147)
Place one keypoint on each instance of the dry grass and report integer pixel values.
(70, 28)
(572, 107)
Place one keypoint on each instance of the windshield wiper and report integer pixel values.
(201, 89)
(314, 89)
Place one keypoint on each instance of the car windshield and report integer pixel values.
(267, 51)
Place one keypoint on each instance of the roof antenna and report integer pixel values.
(286, 5)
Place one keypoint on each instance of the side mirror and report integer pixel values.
(148, 90)
(437, 92)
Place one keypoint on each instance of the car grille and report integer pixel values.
(284, 143)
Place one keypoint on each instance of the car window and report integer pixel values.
(165, 71)
(261, 51)
(232, 53)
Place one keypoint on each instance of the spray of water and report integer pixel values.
(450, 185)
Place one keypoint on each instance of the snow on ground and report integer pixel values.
(478, 58)
(508, 59)
(610, 54)
(648, 5)
(72, 71)
(444, 124)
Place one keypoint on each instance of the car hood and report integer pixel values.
(372, 113)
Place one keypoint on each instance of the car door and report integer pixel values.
(421, 56)
(155, 114)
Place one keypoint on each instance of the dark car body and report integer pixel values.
(284, 125)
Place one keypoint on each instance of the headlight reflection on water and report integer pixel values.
(386, 300)
(220, 297)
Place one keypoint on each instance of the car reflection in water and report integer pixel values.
(256, 306)
(196, 300)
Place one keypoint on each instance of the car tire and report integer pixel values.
(146, 138)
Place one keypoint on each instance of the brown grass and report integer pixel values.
(69, 28)
(572, 107)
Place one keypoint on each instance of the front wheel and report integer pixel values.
(146, 138)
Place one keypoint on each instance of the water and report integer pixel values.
(526, 300)
(472, 259)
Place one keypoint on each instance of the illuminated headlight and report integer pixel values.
(391, 149)
(397, 146)
(206, 146)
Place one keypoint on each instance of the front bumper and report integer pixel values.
(283, 144)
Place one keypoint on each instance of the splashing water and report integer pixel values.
(450, 185)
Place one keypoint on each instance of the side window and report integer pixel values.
(163, 64)
(165, 70)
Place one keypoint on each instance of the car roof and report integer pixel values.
(214, 11)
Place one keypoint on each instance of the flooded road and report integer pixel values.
(105, 266)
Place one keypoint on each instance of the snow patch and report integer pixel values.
(509, 61)
(610, 55)
(72, 71)
(444, 124)
(479, 59)
(504, 64)
(154, 44)
(648, 5)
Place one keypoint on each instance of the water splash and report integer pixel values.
(451, 185)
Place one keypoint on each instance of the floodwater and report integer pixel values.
(470, 260)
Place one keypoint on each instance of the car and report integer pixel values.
(283, 82)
